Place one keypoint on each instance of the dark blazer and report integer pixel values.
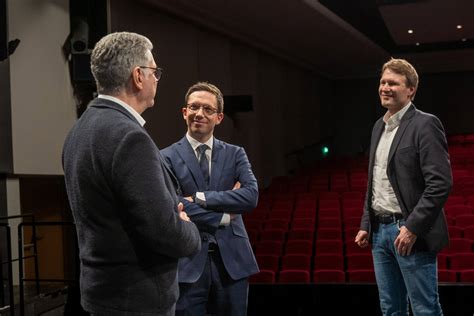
(124, 206)
(229, 165)
(420, 173)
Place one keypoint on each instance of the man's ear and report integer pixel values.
(220, 117)
(137, 78)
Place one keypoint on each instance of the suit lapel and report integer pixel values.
(401, 130)
(186, 152)
(217, 164)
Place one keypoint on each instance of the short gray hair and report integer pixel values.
(114, 57)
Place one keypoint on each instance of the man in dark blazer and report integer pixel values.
(219, 182)
(408, 185)
(130, 225)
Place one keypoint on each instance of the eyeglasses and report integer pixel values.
(157, 72)
(208, 110)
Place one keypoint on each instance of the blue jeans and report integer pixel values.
(398, 278)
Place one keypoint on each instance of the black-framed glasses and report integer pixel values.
(157, 72)
(206, 109)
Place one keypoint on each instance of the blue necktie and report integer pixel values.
(203, 162)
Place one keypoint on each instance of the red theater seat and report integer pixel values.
(329, 233)
(264, 276)
(299, 247)
(330, 222)
(301, 234)
(352, 247)
(465, 220)
(457, 210)
(328, 246)
(305, 223)
(461, 261)
(277, 224)
(469, 232)
(296, 262)
(268, 262)
(330, 212)
(294, 276)
(442, 261)
(458, 245)
(359, 261)
(361, 276)
(446, 275)
(466, 276)
(352, 222)
(328, 261)
(455, 232)
(329, 276)
(273, 234)
(269, 247)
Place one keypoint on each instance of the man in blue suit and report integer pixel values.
(217, 179)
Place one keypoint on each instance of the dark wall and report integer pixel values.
(357, 106)
(449, 96)
(6, 157)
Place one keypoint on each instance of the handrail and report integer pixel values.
(37, 279)
(10, 260)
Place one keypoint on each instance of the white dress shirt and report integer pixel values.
(383, 196)
(127, 107)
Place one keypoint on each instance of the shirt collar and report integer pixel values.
(394, 121)
(127, 107)
(194, 143)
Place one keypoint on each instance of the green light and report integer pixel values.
(325, 150)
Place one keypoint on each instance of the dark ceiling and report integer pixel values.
(434, 23)
(343, 38)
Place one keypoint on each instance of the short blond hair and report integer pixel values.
(403, 67)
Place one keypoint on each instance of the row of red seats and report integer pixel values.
(353, 261)
(338, 276)
(337, 246)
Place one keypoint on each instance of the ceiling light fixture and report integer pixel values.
(410, 31)
(417, 44)
(459, 26)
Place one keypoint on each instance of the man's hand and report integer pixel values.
(362, 238)
(189, 198)
(182, 214)
(405, 241)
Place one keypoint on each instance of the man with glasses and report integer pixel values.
(216, 177)
(130, 225)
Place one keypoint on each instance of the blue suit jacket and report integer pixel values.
(420, 173)
(124, 206)
(229, 165)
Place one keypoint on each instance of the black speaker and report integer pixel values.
(80, 37)
(88, 25)
(237, 103)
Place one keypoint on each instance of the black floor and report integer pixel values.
(343, 299)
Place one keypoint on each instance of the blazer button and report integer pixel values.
(205, 238)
